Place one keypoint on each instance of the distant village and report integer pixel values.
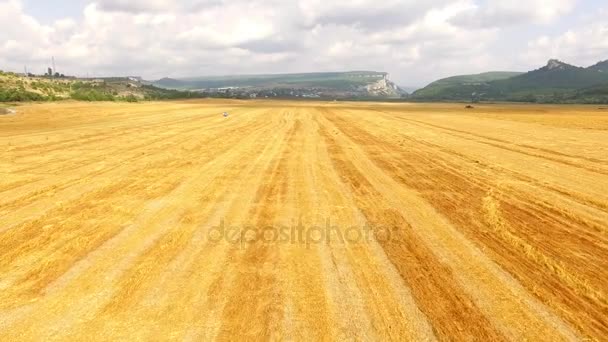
(252, 93)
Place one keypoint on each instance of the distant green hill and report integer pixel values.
(457, 87)
(321, 84)
(555, 75)
(600, 67)
(337, 80)
(555, 82)
(17, 88)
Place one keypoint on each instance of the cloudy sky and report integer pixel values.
(415, 41)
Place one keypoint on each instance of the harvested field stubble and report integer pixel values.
(303, 220)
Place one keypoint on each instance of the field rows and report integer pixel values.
(303, 221)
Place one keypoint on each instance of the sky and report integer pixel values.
(416, 42)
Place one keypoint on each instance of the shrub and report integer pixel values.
(130, 98)
(92, 95)
(18, 95)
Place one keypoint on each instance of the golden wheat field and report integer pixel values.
(303, 221)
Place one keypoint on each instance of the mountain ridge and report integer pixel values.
(463, 82)
(600, 66)
(556, 81)
(316, 84)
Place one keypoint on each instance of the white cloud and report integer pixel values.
(504, 13)
(365, 13)
(134, 6)
(416, 41)
(583, 46)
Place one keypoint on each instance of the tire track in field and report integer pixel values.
(93, 158)
(85, 182)
(451, 159)
(27, 239)
(504, 144)
(68, 190)
(440, 187)
(211, 270)
(589, 252)
(256, 275)
(41, 122)
(583, 199)
(132, 288)
(380, 303)
(162, 209)
(307, 315)
(188, 271)
(143, 124)
(431, 282)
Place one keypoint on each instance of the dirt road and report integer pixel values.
(303, 221)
